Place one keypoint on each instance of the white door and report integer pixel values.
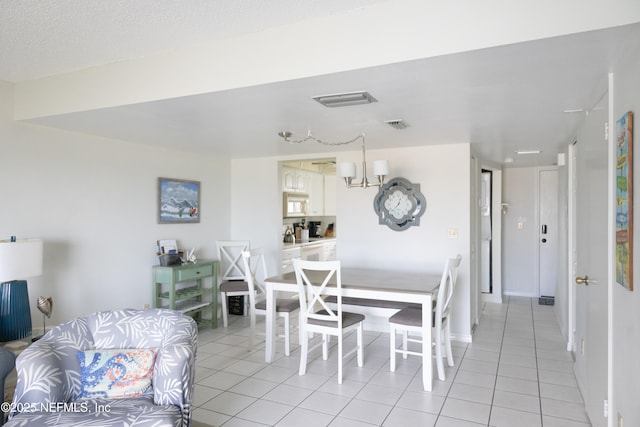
(548, 232)
(591, 261)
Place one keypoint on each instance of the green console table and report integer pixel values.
(182, 288)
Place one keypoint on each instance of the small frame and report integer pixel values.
(624, 201)
(178, 201)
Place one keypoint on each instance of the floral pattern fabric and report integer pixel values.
(49, 383)
(116, 373)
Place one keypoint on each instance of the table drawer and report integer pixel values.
(195, 272)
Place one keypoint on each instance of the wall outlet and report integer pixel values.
(452, 233)
(146, 306)
(619, 420)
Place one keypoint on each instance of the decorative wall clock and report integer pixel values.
(399, 204)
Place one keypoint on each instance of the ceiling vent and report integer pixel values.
(397, 124)
(345, 99)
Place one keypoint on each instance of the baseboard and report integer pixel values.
(492, 298)
(465, 338)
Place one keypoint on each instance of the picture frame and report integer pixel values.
(624, 201)
(178, 201)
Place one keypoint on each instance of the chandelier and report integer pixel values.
(347, 170)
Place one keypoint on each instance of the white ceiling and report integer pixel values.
(501, 99)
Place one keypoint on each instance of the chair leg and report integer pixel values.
(405, 344)
(360, 346)
(447, 341)
(304, 348)
(325, 347)
(252, 332)
(340, 359)
(439, 362)
(223, 304)
(287, 341)
(392, 348)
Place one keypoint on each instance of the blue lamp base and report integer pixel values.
(15, 314)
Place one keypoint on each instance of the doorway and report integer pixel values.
(593, 254)
(548, 235)
(486, 213)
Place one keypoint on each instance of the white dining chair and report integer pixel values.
(256, 271)
(313, 278)
(231, 274)
(409, 320)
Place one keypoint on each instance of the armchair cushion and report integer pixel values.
(116, 373)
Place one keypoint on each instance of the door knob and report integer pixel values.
(585, 280)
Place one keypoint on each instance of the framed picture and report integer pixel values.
(178, 201)
(624, 201)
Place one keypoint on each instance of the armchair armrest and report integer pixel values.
(44, 377)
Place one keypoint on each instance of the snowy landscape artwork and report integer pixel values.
(178, 201)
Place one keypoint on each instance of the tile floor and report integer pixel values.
(516, 373)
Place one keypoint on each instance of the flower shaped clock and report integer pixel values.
(399, 204)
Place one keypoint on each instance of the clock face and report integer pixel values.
(399, 204)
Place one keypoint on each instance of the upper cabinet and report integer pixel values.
(317, 178)
(295, 180)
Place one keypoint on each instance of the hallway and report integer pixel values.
(516, 373)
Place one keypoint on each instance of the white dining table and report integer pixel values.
(380, 284)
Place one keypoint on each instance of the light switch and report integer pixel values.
(520, 225)
(452, 233)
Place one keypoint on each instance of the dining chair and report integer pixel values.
(255, 267)
(231, 274)
(409, 320)
(313, 278)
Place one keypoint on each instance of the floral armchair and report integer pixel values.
(112, 368)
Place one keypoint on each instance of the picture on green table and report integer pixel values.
(178, 201)
(624, 201)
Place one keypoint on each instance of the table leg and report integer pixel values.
(427, 367)
(270, 338)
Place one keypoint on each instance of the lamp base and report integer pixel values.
(15, 314)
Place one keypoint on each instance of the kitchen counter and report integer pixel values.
(312, 241)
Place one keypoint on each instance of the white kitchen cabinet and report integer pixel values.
(329, 251)
(295, 180)
(313, 252)
(316, 194)
(323, 250)
(288, 255)
(330, 182)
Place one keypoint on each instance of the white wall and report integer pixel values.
(519, 246)
(444, 176)
(93, 201)
(626, 305)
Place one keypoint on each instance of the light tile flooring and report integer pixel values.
(516, 373)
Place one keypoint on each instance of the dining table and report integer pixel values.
(414, 287)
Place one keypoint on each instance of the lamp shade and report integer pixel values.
(347, 170)
(381, 167)
(20, 259)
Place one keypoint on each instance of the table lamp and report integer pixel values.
(19, 259)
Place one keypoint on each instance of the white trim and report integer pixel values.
(611, 248)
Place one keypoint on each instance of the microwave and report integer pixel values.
(295, 205)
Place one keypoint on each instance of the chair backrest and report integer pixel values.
(313, 277)
(255, 268)
(454, 264)
(445, 289)
(231, 266)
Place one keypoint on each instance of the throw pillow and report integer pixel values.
(116, 373)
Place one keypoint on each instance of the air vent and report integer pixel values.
(345, 99)
(397, 124)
